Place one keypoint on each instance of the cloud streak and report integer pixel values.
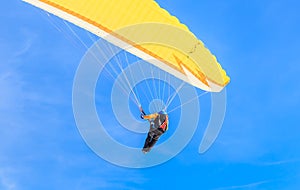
(5, 181)
(25, 48)
(249, 185)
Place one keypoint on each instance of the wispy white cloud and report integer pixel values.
(10, 86)
(280, 162)
(245, 186)
(6, 182)
(24, 48)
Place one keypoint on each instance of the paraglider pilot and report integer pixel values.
(158, 126)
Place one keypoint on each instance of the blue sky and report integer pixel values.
(257, 42)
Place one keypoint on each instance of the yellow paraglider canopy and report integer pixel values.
(188, 59)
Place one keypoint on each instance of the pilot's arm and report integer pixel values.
(150, 116)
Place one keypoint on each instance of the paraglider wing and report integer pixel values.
(188, 60)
